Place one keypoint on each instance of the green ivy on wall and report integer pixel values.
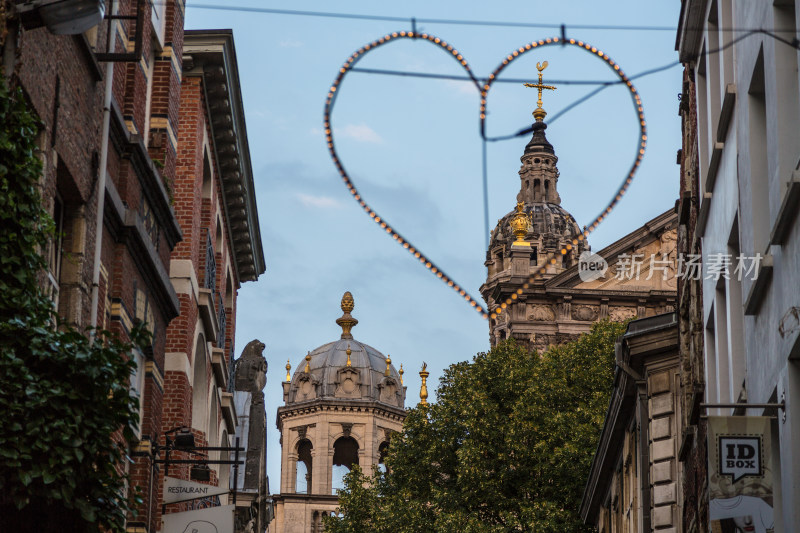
(67, 411)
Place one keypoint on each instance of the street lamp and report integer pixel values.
(62, 17)
(184, 439)
(200, 472)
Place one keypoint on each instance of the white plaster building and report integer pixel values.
(748, 122)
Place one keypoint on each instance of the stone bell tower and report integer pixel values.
(341, 408)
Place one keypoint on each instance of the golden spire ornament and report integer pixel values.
(307, 369)
(519, 225)
(401, 372)
(388, 362)
(348, 352)
(346, 321)
(288, 368)
(540, 113)
(423, 390)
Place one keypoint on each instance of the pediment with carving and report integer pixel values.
(348, 383)
(305, 388)
(390, 391)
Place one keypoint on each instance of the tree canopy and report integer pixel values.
(506, 447)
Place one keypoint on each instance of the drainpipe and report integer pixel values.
(101, 182)
(10, 43)
(644, 454)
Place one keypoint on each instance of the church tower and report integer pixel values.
(341, 408)
(524, 238)
(564, 302)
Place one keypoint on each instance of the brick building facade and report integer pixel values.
(149, 188)
(215, 204)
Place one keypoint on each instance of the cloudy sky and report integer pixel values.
(412, 147)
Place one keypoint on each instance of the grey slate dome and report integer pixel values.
(551, 226)
(347, 370)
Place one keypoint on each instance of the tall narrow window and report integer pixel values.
(787, 89)
(703, 133)
(55, 250)
(200, 387)
(345, 455)
(206, 177)
(759, 176)
(735, 311)
(304, 464)
(137, 387)
(721, 339)
(712, 391)
(714, 75)
(726, 36)
(383, 451)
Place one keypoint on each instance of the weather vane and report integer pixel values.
(540, 113)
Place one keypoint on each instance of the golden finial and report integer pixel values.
(346, 321)
(540, 113)
(519, 225)
(388, 362)
(348, 352)
(307, 369)
(288, 368)
(401, 371)
(423, 390)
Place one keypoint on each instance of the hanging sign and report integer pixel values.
(740, 474)
(179, 490)
(213, 520)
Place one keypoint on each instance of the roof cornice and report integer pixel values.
(212, 55)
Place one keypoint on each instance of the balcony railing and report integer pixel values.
(222, 320)
(210, 280)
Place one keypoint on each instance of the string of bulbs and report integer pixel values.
(483, 86)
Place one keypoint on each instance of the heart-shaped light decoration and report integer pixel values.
(484, 90)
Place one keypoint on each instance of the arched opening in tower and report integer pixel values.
(345, 455)
(383, 451)
(304, 463)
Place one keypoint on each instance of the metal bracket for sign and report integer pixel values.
(136, 54)
(781, 406)
(166, 461)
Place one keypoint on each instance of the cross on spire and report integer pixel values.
(540, 113)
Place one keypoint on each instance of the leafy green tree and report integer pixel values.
(507, 446)
(64, 398)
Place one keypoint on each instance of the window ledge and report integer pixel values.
(220, 367)
(702, 215)
(713, 166)
(787, 212)
(758, 289)
(726, 112)
(205, 305)
(228, 411)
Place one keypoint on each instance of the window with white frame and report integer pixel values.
(54, 252)
(137, 386)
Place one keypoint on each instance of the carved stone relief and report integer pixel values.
(618, 314)
(585, 312)
(541, 313)
(348, 383)
(306, 388)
